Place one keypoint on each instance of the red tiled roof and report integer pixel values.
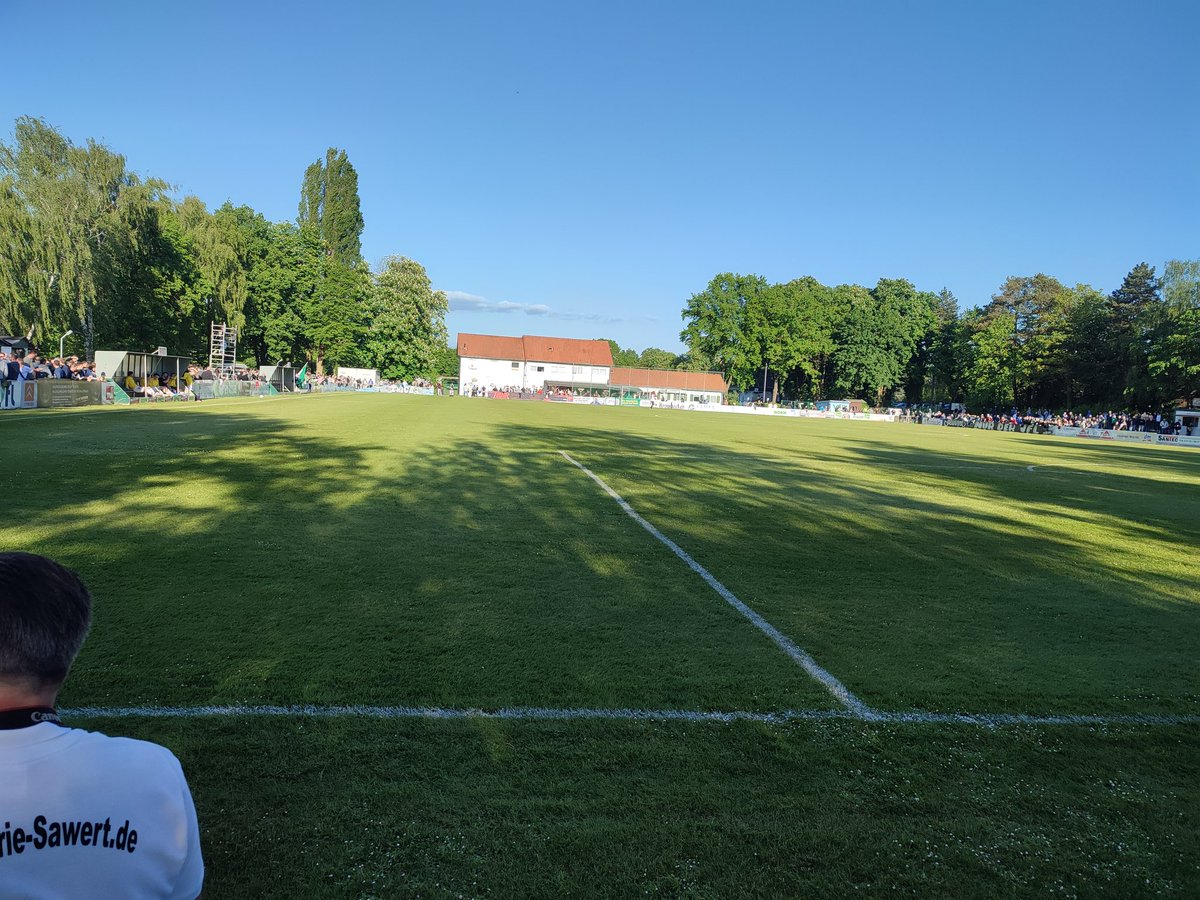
(490, 346)
(533, 348)
(567, 350)
(668, 380)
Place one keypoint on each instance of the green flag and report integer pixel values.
(301, 375)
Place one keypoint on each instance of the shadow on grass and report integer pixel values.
(256, 557)
(258, 551)
(981, 584)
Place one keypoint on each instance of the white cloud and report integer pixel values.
(460, 301)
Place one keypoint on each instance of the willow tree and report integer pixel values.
(220, 255)
(66, 211)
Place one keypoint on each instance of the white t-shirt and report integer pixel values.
(87, 815)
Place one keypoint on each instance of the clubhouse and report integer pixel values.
(550, 365)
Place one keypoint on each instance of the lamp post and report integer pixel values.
(62, 340)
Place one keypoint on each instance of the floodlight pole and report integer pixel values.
(62, 340)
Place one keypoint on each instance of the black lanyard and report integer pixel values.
(24, 718)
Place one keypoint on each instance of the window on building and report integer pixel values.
(576, 370)
(516, 365)
(541, 368)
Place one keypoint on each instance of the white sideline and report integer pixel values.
(839, 691)
(527, 713)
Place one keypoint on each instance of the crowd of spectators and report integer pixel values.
(1042, 421)
(18, 366)
(383, 385)
(486, 390)
(14, 367)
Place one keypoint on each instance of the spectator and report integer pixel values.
(85, 815)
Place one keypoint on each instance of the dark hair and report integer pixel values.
(45, 612)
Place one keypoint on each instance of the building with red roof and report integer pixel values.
(528, 362)
(569, 365)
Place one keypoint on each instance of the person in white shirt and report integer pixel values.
(81, 814)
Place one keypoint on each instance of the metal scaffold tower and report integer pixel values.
(222, 349)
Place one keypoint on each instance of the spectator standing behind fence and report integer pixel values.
(81, 814)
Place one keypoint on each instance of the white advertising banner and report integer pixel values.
(734, 410)
(1127, 437)
(19, 394)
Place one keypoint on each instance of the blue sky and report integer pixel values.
(581, 169)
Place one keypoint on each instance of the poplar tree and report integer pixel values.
(330, 213)
(329, 204)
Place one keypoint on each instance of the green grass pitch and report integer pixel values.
(441, 553)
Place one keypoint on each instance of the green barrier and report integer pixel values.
(117, 393)
(210, 390)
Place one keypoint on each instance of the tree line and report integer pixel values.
(1037, 343)
(90, 246)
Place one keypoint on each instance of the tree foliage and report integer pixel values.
(408, 322)
(329, 204)
(715, 325)
(89, 246)
(1036, 343)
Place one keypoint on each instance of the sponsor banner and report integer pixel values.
(1180, 440)
(1126, 437)
(58, 393)
(18, 394)
(784, 412)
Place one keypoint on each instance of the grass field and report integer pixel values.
(441, 553)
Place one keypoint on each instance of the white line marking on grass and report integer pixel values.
(554, 714)
(839, 691)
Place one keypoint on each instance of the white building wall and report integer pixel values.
(538, 373)
(679, 395)
(473, 371)
(371, 375)
(530, 375)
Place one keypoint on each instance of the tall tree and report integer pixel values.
(692, 361)
(1174, 357)
(878, 336)
(715, 322)
(791, 330)
(1137, 314)
(75, 206)
(334, 316)
(329, 203)
(655, 358)
(1094, 375)
(1032, 307)
(946, 353)
(220, 253)
(330, 211)
(408, 327)
(624, 358)
(1181, 284)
